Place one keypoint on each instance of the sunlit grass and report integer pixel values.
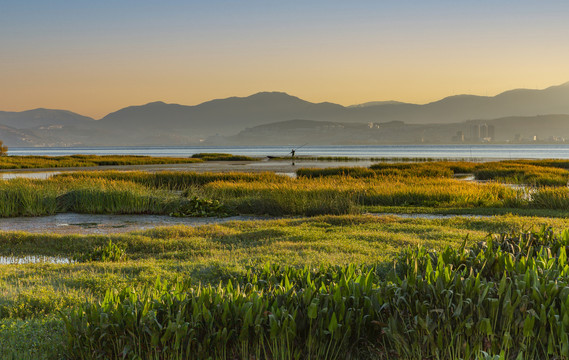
(214, 253)
(33, 162)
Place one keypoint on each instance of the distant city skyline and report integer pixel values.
(97, 57)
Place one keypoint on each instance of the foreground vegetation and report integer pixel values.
(506, 297)
(334, 285)
(287, 290)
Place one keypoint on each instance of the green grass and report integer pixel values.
(528, 172)
(551, 213)
(214, 253)
(172, 180)
(326, 246)
(506, 297)
(339, 195)
(35, 162)
(23, 197)
(516, 172)
(357, 190)
(223, 157)
(373, 158)
(32, 339)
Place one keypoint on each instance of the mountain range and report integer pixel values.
(246, 120)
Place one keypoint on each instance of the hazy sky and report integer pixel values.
(94, 57)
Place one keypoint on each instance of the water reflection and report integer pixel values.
(72, 223)
(28, 175)
(34, 259)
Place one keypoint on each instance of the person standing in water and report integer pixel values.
(292, 156)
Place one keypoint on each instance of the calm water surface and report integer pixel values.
(34, 259)
(72, 223)
(406, 151)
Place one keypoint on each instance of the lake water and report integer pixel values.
(466, 152)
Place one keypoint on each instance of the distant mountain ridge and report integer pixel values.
(41, 117)
(159, 123)
(515, 129)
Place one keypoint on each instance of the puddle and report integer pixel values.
(465, 177)
(289, 174)
(71, 223)
(28, 175)
(34, 259)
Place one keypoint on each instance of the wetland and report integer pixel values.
(325, 264)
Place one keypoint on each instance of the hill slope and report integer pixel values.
(158, 123)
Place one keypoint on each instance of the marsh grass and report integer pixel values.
(516, 172)
(114, 192)
(173, 180)
(423, 169)
(223, 157)
(219, 252)
(23, 197)
(115, 197)
(32, 339)
(31, 162)
(550, 198)
(436, 169)
(337, 195)
(506, 297)
(354, 172)
(537, 173)
(238, 252)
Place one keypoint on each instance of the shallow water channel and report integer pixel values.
(431, 216)
(34, 259)
(71, 223)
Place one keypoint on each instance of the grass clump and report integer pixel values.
(342, 195)
(32, 339)
(522, 173)
(426, 169)
(113, 197)
(550, 198)
(22, 197)
(35, 162)
(199, 207)
(109, 252)
(172, 180)
(223, 157)
(354, 172)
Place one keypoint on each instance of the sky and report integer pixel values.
(95, 57)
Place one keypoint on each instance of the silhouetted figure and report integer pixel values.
(292, 156)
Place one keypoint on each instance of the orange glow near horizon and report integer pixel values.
(346, 54)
